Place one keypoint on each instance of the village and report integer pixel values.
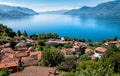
(25, 57)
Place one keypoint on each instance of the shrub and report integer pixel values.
(68, 65)
(52, 57)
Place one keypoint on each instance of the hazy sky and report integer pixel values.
(47, 5)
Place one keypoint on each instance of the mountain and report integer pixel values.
(111, 8)
(16, 13)
(6, 10)
(54, 12)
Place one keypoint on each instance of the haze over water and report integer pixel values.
(94, 28)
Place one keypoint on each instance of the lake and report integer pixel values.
(94, 28)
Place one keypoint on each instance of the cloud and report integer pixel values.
(6, 3)
(11, 4)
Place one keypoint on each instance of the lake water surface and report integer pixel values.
(94, 28)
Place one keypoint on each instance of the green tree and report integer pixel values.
(25, 33)
(108, 40)
(6, 31)
(52, 57)
(41, 36)
(68, 65)
(110, 50)
(12, 34)
(49, 35)
(41, 42)
(68, 45)
(116, 38)
(100, 71)
(84, 57)
(4, 72)
(114, 61)
(55, 35)
(18, 33)
(90, 43)
(112, 58)
(68, 38)
(34, 37)
(12, 44)
(70, 74)
(38, 48)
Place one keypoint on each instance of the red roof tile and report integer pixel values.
(37, 71)
(101, 49)
(9, 62)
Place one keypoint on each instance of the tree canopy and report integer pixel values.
(52, 57)
(6, 31)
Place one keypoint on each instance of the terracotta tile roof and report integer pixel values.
(5, 45)
(112, 42)
(9, 62)
(76, 46)
(35, 41)
(87, 50)
(22, 49)
(38, 53)
(38, 71)
(118, 45)
(34, 58)
(101, 49)
(21, 44)
(29, 40)
(35, 53)
(22, 54)
(16, 74)
(25, 59)
(7, 50)
(30, 49)
(29, 63)
(67, 51)
(80, 44)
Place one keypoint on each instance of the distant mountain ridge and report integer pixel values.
(111, 8)
(54, 12)
(6, 10)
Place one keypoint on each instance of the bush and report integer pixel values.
(52, 57)
(41, 42)
(4, 72)
(84, 57)
(68, 45)
(70, 74)
(38, 48)
(85, 64)
(12, 44)
(108, 40)
(68, 65)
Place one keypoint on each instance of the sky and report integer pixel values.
(51, 5)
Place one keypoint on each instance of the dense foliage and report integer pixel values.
(4, 72)
(6, 31)
(68, 65)
(52, 57)
(108, 65)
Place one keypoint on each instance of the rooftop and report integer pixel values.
(36, 71)
(7, 50)
(9, 62)
(87, 50)
(101, 49)
(67, 51)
